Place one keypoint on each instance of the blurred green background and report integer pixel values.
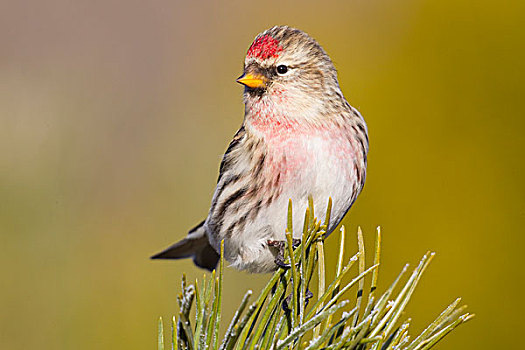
(114, 116)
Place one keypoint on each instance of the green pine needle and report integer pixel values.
(327, 321)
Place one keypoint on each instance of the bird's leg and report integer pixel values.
(280, 245)
(279, 260)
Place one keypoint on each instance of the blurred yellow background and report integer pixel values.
(114, 116)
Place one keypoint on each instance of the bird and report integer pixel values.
(299, 139)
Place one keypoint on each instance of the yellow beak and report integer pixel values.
(252, 80)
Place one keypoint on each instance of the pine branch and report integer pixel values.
(326, 321)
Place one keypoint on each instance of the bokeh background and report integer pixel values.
(114, 115)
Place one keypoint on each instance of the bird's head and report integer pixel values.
(286, 66)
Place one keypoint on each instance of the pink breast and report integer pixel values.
(294, 151)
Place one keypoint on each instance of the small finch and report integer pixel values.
(299, 138)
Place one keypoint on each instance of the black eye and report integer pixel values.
(282, 69)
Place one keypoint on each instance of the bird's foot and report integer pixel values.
(281, 245)
(308, 295)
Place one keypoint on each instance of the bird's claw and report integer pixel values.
(280, 245)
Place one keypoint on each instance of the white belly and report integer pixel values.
(323, 168)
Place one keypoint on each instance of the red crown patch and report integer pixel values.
(264, 47)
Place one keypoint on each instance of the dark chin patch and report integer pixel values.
(255, 92)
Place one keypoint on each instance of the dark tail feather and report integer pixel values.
(196, 245)
(206, 258)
